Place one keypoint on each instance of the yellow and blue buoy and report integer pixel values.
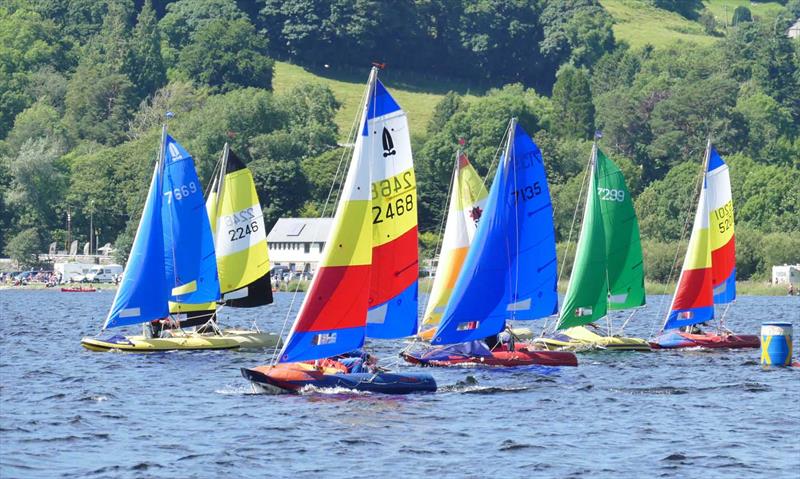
(776, 344)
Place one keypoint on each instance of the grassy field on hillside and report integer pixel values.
(639, 23)
(417, 94)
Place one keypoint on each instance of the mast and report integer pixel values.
(706, 156)
(223, 168)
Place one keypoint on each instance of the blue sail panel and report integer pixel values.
(143, 292)
(390, 319)
(510, 272)
(189, 258)
(380, 103)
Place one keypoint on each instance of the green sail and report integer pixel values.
(623, 247)
(586, 299)
(608, 271)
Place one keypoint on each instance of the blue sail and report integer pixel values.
(189, 260)
(143, 292)
(510, 272)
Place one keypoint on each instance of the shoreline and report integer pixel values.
(743, 288)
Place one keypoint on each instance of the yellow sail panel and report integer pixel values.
(177, 308)
(467, 200)
(239, 230)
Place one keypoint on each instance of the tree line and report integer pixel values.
(84, 86)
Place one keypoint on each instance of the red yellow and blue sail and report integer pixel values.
(393, 213)
(709, 268)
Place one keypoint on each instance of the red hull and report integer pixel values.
(78, 290)
(674, 340)
(502, 357)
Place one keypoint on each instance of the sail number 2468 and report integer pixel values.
(393, 208)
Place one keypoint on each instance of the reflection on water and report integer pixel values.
(67, 411)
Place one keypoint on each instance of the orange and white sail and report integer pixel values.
(467, 201)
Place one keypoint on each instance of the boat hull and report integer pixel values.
(229, 339)
(520, 333)
(78, 290)
(581, 339)
(680, 339)
(292, 377)
(498, 358)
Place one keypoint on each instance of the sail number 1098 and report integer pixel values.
(393, 208)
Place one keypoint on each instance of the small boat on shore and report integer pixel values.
(78, 289)
(708, 275)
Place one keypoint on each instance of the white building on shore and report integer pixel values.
(786, 274)
(297, 243)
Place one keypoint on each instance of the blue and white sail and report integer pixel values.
(172, 258)
(510, 272)
(189, 258)
(143, 292)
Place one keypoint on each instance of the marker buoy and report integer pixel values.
(776, 344)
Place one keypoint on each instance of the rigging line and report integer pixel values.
(439, 239)
(569, 241)
(350, 136)
(689, 217)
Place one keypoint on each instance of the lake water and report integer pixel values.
(68, 412)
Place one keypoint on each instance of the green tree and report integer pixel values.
(149, 73)
(281, 187)
(227, 54)
(25, 247)
(741, 14)
(666, 207)
(448, 106)
(572, 103)
(100, 113)
(38, 183)
(185, 17)
(38, 121)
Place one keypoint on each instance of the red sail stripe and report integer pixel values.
(394, 267)
(695, 290)
(336, 299)
(723, 260)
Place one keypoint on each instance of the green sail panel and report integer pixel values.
(623, 247)
(586, 300)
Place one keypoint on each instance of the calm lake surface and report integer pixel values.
(68, 412)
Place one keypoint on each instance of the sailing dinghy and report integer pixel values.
(171, 282)
(467, 202)
(708, 276)
(366, 284)
(608, 272)
(509, 272)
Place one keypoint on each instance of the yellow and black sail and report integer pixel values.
(240, 238)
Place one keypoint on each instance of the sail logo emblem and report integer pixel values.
(583, 312)
(475, 213)
(388, 144)
(174, 152)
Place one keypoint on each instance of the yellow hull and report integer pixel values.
(581, 339)
(521, 333)
(229, 339)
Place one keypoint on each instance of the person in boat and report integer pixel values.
(359, 362)
(693, 328)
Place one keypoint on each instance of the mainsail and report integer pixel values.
(708, 275)
(395, 254)
(467, 202)
(172, 259)
(608, 270)
(240, 237)
(510, 269)
(367, 280)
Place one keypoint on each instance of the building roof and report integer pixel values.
(300, 230)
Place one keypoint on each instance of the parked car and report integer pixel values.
(103, 274)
